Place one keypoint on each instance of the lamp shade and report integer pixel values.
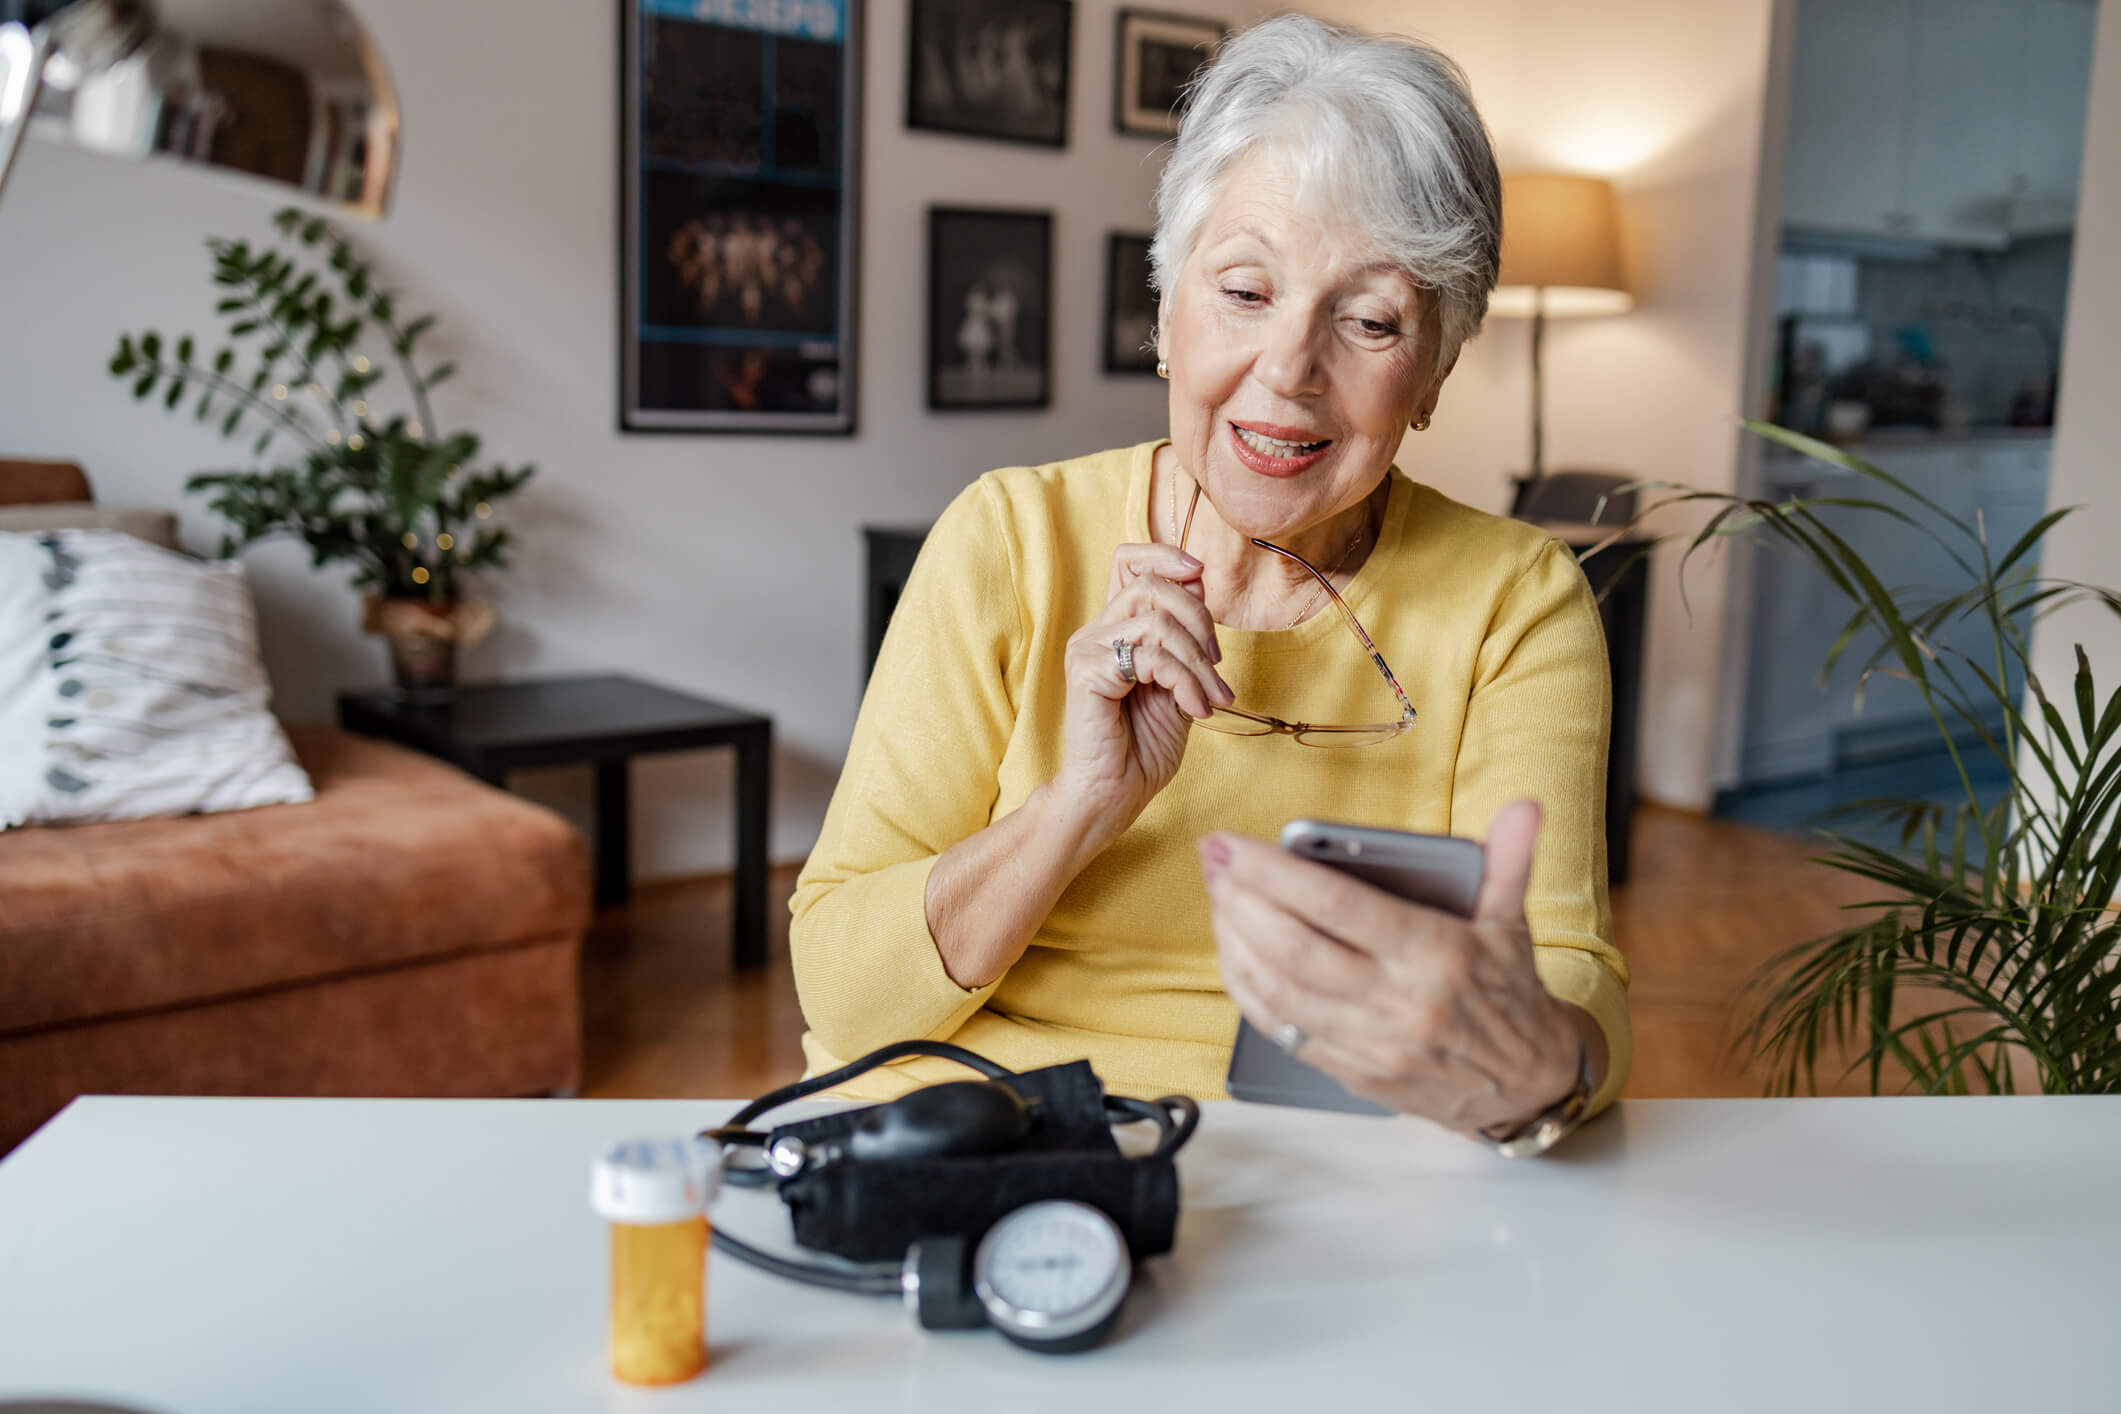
(1560, 247)
(287, 92)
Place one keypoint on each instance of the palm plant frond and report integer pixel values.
(1990, 958)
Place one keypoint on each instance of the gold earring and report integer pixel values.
(1163, 370)
(1423, 424)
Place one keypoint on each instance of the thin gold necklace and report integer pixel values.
(1316, 594)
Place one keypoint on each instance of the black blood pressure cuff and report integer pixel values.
(874, 1209)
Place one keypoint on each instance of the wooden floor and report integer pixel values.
(1710, 901)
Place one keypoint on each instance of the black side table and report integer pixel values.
(491, 729)
(1620, 576)
(892, 549)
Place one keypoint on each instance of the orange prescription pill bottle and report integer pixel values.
(654, 1193)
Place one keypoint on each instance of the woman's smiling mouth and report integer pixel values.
(1276, 455)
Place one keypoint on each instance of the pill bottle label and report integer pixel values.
(658, 1301)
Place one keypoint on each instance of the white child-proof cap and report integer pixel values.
(655, 1180)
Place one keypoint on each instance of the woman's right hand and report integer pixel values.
(1122, 741)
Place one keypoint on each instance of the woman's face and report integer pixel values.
(1283, 328)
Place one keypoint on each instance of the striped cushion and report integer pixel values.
(130, 684)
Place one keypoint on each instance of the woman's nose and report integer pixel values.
(1289, 364)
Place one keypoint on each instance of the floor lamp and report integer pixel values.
(290, 92)
(1560, 259)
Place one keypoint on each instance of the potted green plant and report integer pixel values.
(1989, 956)
(394, 494)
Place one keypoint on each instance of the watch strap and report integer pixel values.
(1551, 1125)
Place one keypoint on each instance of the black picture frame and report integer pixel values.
(939, 31)
(739, 217)
(977, 258)
(1130, 305)
(1148, 71)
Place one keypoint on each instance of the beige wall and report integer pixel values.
(2087, 464)
(730, 566)
(1667, 97)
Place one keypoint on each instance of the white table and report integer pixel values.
(314, 1255)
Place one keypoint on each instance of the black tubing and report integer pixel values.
(863, 1279)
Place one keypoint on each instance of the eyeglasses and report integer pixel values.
(1236, 721)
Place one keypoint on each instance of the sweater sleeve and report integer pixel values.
(1537, 725)
(922, 773)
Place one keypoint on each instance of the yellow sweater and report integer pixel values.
(1488, 624)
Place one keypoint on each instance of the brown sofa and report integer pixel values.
(409, 932)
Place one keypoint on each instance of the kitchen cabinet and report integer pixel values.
(1848, 96)
(2047, 123)
(1954, 122)
(1962, 93)
(1796, 727)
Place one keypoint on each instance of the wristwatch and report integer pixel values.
(1551, 1125)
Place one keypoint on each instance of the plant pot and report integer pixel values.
(423, 637)
(423, 667)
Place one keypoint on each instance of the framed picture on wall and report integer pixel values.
(1158, 55)
(990, 68)
(739, 145)
(1130, 305)
(990, 308)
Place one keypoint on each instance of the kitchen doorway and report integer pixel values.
(1927, 217)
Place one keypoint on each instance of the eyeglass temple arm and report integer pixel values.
(1406, 708)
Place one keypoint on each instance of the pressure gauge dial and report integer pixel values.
(1051, 1276)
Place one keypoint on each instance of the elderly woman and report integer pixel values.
(1094, 704)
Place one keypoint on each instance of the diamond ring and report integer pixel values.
(1290, 1037)
(1124, 651)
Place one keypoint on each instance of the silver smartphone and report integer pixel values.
(1440, 871)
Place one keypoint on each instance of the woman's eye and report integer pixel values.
(1377, 329)
(1244, 296)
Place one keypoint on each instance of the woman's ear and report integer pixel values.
(1426, 408)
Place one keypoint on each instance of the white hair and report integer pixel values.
(1382, 128)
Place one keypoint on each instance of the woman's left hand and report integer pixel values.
(1419, 1010)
